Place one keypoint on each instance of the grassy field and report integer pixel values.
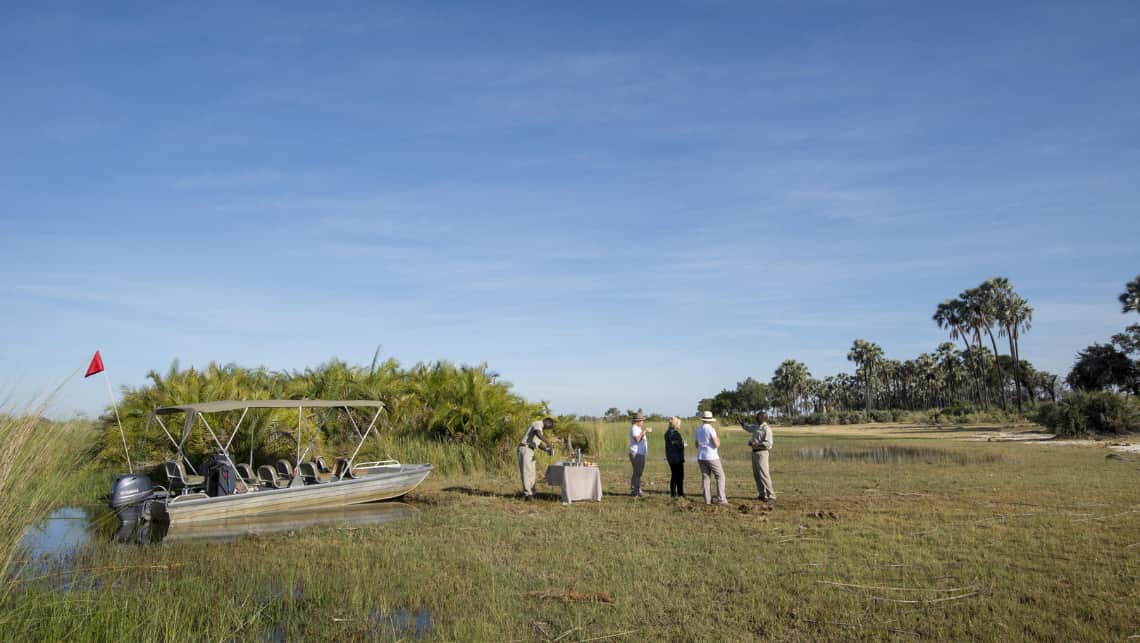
(977, 540)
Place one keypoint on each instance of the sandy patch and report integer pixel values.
(1048, 439)
(1007, 436)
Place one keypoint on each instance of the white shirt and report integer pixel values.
(706, 448)
(637, 447)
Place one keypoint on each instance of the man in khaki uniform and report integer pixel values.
(761, 444)
(534, 434)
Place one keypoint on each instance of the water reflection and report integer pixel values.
(897, 455)
(65, 531)
(401, 623)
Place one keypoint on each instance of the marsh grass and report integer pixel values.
(1040, 546)
(38, 460)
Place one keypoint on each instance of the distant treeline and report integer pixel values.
(975, 375)
(467, 406)
(962, 382)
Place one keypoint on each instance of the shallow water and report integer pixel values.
(896, 455)
(65, 531)
(402, 623)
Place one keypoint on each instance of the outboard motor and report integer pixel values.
(220, 476)
(130, 489)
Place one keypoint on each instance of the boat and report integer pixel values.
(227, 489)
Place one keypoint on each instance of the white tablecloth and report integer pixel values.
(578, 483)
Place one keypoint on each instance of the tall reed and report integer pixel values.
(36, 459)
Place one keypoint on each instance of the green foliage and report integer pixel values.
(567, 426)
(880, 415)
(1130, 298)
(1102, 367)
(747, 399)
(790, 385)
(1128, 341)
(1086, 413)
(440, 403)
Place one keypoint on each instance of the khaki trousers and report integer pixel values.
(638, 462)
(526, 470)
(712, 468)
(761, 475)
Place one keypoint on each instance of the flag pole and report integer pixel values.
(122, 435)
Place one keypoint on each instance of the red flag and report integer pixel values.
(96, 365)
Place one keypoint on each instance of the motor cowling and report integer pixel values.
(129, 489)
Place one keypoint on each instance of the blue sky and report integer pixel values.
(628, 205)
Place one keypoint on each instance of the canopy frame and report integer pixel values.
(197, 411)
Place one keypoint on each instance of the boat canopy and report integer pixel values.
(241, 405)
(195, 413)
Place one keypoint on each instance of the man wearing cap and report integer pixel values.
(761, 444)
(534, 434)
(708, 459)
(637, 451)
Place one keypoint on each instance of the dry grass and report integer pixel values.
(1041, 545)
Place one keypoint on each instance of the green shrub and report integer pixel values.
(1086, 413)
(436, 403)
(881, 416)
(568, 426)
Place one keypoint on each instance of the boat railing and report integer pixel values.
(197, 495)
(378, 464)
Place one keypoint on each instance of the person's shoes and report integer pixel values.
(722, 502)
(640, 494)
(528, 498)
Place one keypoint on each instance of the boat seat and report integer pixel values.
(310, 475)
(246, 474)
(179, 481)
(342, 470)
(321, 466)
(284, 469)
(268, 477)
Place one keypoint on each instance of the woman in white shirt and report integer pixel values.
(637, 450)
(708, 459)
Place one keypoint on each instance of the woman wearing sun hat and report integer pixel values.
(708, 459)
(638, 448)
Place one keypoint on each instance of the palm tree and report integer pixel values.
(956, 315)
(1130, 298)
(950, 364)
(790, 381)
(1015, 316)
(867, 357)
(951, 315)
(982, 304)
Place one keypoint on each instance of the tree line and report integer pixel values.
(977, 374)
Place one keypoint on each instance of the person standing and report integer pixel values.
(675, 456)
(534, 434)
(761, 444)
(708, 459)
(638, 448)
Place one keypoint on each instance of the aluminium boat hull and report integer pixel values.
(381, 485)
